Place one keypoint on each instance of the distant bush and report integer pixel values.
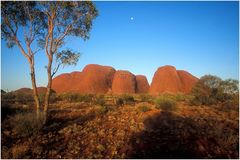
(144, 108)
(26, 124)
(100, 100)
(128, 99)
(166, 104)
(229, 105)
(175, 97)
(23, 98)
(211, 90)
(180, 97)
(75, 97)
(103, 110)
(119, 102)
(146, 98)
(8, 96)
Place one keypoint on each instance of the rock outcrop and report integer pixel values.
(188, 80)
(98, 79)
(41, 90)
(123, 82)
(93, 79)
(168, 80)
(142, 84)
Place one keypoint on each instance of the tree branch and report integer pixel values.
(21, 48)
(56, 69)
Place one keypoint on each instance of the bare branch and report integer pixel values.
(36, 51)
(56, 69)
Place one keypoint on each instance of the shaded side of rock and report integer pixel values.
(142, 84)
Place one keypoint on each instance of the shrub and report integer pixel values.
(144, 108)
(75, 97)
(146, 98)
(103, 110)
(119, 102)
(19, 151)
(23, 98)
(86, 98)
(228, 106)
(27, 124)
(8, 96)
(180, 97)
(128, 99)
(166, 104)
(211, 90)
(100, 100)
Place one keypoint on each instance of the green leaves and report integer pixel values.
(212, 90)
(67, 57)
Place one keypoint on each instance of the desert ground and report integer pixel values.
(119, 126)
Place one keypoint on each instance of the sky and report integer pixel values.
(199, 37)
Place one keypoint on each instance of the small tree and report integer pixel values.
(72, 18)
(49, 23)
(27, 16)
(212, 89)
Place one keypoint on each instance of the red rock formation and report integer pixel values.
(96, 79)
(93, 79)
(168, 80)
(142, 84)
(104, 79)
(165, 80)
(23, 91)
(123, 82)
(188, 80)
(62, 83)
(41, 90)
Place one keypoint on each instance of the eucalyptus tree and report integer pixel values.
(49, 23)
(18, 17)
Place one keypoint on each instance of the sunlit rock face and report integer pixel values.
(169, 80)
(124, 82)
(93, 79)
(100, 79)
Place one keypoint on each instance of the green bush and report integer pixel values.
(180, 97)
(166, 104)
(146, 98)
(103, 110)
(27, 124)
(128, 99)
(24, 98)
(211, 90)
(119, 102)
(8, 96)
(75, 97)
(100, 100)
(144, 108)
(228, 106)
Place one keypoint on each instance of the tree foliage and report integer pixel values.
(48, 23)
(212, 89)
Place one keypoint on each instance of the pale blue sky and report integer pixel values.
(200, 37)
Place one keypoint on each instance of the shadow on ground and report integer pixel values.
(168, 135)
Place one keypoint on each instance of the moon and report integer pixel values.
(131, 18)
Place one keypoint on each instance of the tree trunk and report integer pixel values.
(49, 86)
(34, 86)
